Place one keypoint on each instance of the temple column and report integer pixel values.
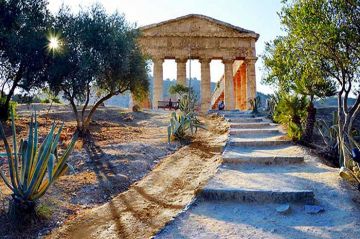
(250, 80)
(205, 85)
(243, 86)
(158, 82)
(237, 89)
(229, 85)
(181, 71)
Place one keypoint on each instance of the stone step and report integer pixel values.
(259, 184)
(258, 140)
(245, 120)
(250, 125)
(254, 131)
(226, 111)
(231, 115)
(281, 154)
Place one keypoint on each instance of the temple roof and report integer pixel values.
(189, 19)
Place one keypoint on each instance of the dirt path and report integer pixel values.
(150, 203)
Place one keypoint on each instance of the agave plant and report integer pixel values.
(179, 124)
(330, 137)
(32, 168)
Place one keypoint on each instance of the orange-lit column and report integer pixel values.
(229, 84)
(237, 89)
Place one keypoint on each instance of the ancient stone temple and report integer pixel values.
(200, 37)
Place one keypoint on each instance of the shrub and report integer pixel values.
(12, 108)
(32, 168)
(45, 101)
(291, 111)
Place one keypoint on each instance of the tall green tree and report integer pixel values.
(330, 29)
(99, 58)
(24, 25)
(293, 72)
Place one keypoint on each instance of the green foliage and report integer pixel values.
(50, 97)
(23, 38)
(181, 123)
(187, 118)
(33, 167)
(100, 54)
(178, 89)
(26, 99)
(44, 211)
(290, 111)
(11, 108)
(327, 33)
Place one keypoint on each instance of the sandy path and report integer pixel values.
(150, 203)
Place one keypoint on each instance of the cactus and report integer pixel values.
(32, 168)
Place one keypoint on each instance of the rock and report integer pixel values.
(313, 209)
(283, 209)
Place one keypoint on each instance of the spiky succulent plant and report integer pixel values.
(33, 167)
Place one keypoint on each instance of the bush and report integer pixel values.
(12, 108)
(32, 168)
(291, 112)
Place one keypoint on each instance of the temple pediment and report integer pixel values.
(197, 26)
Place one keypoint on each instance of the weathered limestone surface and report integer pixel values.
(158, 81)
(181, 71)
(201, 37)
(229, 85)
(205, 84)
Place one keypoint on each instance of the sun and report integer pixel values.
(54, 44)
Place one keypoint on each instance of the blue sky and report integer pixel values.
(257, 15)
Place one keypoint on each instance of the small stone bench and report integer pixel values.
(165, 105)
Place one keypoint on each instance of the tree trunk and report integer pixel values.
(86, 123)
(310, 123)
(5, 107)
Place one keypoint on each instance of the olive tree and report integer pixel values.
(293, 72)
(24, 26)
(99, 58)
(330, 30)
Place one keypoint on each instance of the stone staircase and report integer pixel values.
(265, 188)
(248, 173)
